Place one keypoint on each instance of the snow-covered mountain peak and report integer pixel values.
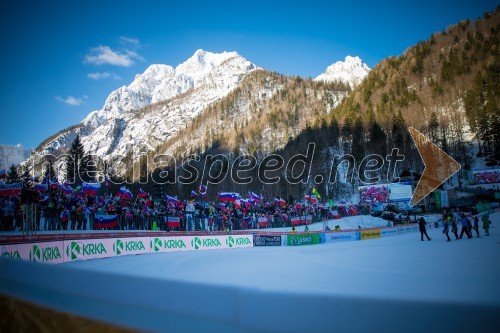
(162, 82)
(203, 62)
(352, 70)
(13, 155)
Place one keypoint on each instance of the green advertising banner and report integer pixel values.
(484, 207)
(303, 239)
(437, 196)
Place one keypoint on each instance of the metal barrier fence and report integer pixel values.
(47, 219)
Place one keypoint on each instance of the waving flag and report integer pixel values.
(65, 188)
(41, 187)
(228, 196)
(314, 199)
(316, 193)
(90, 188)
(142, 194)
(203, 191)
(172, 200)
(107, 180)
(279, 202)
(11, 190)
(105, 221)
(54, 183)
(193, 194)
(254, 197)
(124, 193)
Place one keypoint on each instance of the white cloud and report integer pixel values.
(103, 75)
(129, 41)
(103, 54)
(72, 101)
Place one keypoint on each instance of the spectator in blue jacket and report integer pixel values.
(465, 226)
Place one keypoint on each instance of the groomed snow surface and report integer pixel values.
(391, 284)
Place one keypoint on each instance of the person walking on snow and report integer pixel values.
(454, 228)
(446, 227)
(423, 231)
(476, 226)
(465, 226)
(486, 224)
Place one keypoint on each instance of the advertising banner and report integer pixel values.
(46, 252)
(169, 244)
(373, 194)
(266, 240)
(137, 245)
(12, 251)
(389, 232)
(303, 239)
(342, 236)
(400, 192)
(84, 249)
(486, 176)
(370, 234)
(198, 243)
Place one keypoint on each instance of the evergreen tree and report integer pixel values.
(76, 162)
(27, 179)
(433, 128)
(48, 172)
(13, 175)
(378, 140)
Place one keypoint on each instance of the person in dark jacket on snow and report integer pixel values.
(423, 231)
(465, 226)
(454, 228)
(476, 226)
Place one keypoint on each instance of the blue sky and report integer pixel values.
(61, 59)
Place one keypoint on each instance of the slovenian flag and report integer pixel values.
(279, 202)
(90, 188)
(41, 187)
(314, 199)
(254, 197)
(193, 194)
(124, 193)
(65, 188)
(54, 183)
(142, 194)
(10, 190)
(203, 191)
(105, 221)
(228, 196)
(172, 200)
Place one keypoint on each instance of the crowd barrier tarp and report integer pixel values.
(266, 240)
(342, 236)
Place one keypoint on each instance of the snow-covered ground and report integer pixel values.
(391, 284)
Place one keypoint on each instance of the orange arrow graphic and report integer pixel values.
(439, 166)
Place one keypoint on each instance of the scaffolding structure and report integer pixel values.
(29, 218)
